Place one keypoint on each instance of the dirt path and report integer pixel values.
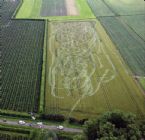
(71, 8)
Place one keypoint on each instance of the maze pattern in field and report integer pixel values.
(130, 45)
(22, 46)
(53, 8)
(85, 74)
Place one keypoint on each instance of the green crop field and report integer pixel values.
(87, 59)
(22, 48)
(53, 10)
(99, 8)
(85, 74)
(126, 7)
(129, 44)
(126, 31)
(14, 133)
(12, 136)
(136, 23)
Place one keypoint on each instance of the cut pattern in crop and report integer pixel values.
(78, 61)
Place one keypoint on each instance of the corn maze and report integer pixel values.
(84, 61)
(83, 72)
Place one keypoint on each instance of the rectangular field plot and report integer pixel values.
(99, 8)
(58, 8)
(13, 136)
(22, 45)
(14, 133)
(129, 44)
(136, 23)
(54, 9)
(85, 74)
(5, 13)
(126, 7)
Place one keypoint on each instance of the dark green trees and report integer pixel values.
(114, 125)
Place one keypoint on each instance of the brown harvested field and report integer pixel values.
(71, 8)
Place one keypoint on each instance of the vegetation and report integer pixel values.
(142, 82)
(67, 69)
(32, 10)
(131, 48)
(114, 125)
(22, 47)
(11, 133)
(100, 82)
(53, 8)
(99, 8)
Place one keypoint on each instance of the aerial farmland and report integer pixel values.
(65, 60)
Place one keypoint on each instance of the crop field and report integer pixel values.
(22, 44)
(7, 14)
(86, 76)
(22, 47)
(126, 31)
(12, 136)
(136, 23)
(126, 7)
(11, 133)
(56, 9)
(116, 7)
(53, 8)
(130, 45)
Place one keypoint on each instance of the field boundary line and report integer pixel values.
(43, 72)
(17, 9)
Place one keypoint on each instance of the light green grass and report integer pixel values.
(31, 10)
(119, 93)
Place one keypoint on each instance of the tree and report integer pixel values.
(142, 128)
(114, 125)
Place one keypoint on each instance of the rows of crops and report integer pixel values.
(86, 75)
(7, 9)
(53, 8)
(127, 31)
(126, 7)
(136, 23)
(116, 8)
(9, 136)
(130, 45)
(99, 8)
(22, 48)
